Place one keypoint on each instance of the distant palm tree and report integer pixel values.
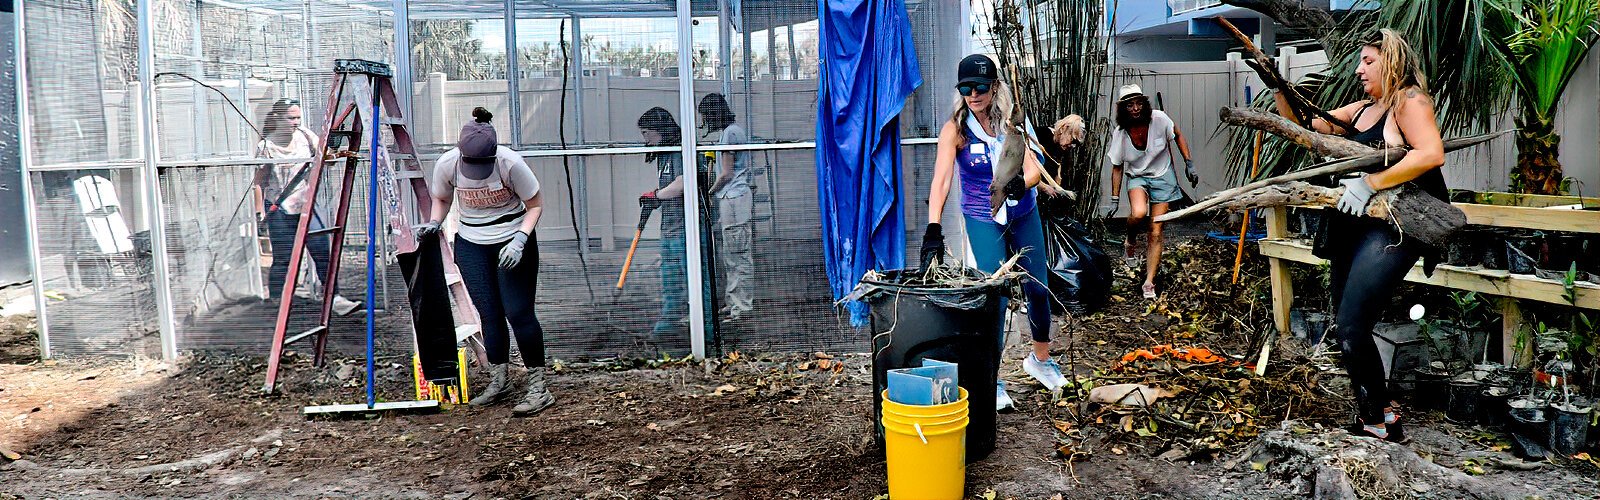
(1546, 41)
(447, 47)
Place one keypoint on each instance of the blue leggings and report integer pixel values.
(992, 244)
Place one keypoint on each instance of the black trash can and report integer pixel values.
(910, 323)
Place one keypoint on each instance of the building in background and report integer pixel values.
(1183, 30)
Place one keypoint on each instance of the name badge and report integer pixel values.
(976, 148)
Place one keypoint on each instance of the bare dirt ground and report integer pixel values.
(745, 426)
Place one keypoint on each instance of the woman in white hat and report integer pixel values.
(1140, 150)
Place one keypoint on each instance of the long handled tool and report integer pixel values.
(644, 218)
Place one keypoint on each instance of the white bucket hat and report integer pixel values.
(1129, 90)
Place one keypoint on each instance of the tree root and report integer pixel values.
(201, 462)
(1342, 466)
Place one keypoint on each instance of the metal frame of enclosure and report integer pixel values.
(138, 188)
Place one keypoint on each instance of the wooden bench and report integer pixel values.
(1493, 209)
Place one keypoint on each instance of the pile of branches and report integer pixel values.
(1204, 409)
(1201, 364)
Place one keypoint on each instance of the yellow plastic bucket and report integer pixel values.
(925, 449)
(959, 406)
(926, 462)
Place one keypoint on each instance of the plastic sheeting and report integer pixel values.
(869, 68)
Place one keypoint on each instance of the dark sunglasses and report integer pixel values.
(969, 89)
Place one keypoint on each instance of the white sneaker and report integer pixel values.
(343, 306)
(1046, 372)
(1002, 401)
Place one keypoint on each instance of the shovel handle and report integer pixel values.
(628, 262)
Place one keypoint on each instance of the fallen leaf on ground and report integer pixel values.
(653, 426)
(724, 389)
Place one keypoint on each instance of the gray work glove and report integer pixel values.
(511, 254)
(1188, 169)
(425, 228)
(1357, 193)
(1116, 203)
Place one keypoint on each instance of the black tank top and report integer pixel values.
(1431, 182)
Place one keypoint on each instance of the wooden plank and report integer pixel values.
(1549, 219)
(1498, 283)
(1531, 200)
(1510, 322)
(1282, 287)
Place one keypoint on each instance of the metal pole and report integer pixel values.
(513, 79)
(724, 47)
(30, 210)
(748, 56)
(402, 58)
(152, 185)
(691, 183)
(202, 113)
(580, 227)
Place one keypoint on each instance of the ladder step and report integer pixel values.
(305, 334)
(325, 230)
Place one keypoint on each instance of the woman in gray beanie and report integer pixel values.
(500, 204)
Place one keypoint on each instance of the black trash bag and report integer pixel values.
(1080, 272)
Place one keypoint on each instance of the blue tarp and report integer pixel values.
(869, 68)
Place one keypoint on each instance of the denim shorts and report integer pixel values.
(1162, 188)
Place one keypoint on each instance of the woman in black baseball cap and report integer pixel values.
(970, 144)
(499, 201)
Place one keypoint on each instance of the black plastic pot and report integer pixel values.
(1310, 221)
(1494, 250)
(1569, 428)
(1492, 409)
(1561, 251)
(1432, 389)
(910, 323)
(1522, 253)
(1527, 417)
(1463, 249)
(1464, 395)
(1317, 326)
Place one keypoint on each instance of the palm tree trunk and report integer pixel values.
(1538, 164)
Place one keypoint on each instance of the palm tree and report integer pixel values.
(1546, 40)
(447, 47)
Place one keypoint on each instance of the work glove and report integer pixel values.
(1116, 203)
(425, 228)
(1016, 188)
(511, 254)
(649, 201)
(1357, 193)
(1188, 169)
(933, 245)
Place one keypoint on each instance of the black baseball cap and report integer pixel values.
(976, 68)
(478, 143)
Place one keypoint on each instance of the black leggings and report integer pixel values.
(502, 295)
(1363, 279)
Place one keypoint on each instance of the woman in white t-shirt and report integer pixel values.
(499, 202)
(286, 193)
(1139, 149)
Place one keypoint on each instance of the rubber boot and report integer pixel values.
(496, 389)
(538, 397)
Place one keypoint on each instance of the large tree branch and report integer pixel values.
(1417, 214)
(1326, 146)
(1268, 70)
(1294, 14)
(1341, 165)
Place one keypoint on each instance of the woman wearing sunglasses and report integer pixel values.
(970, 144)
(1140, 148)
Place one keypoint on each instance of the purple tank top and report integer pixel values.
(976, 174)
